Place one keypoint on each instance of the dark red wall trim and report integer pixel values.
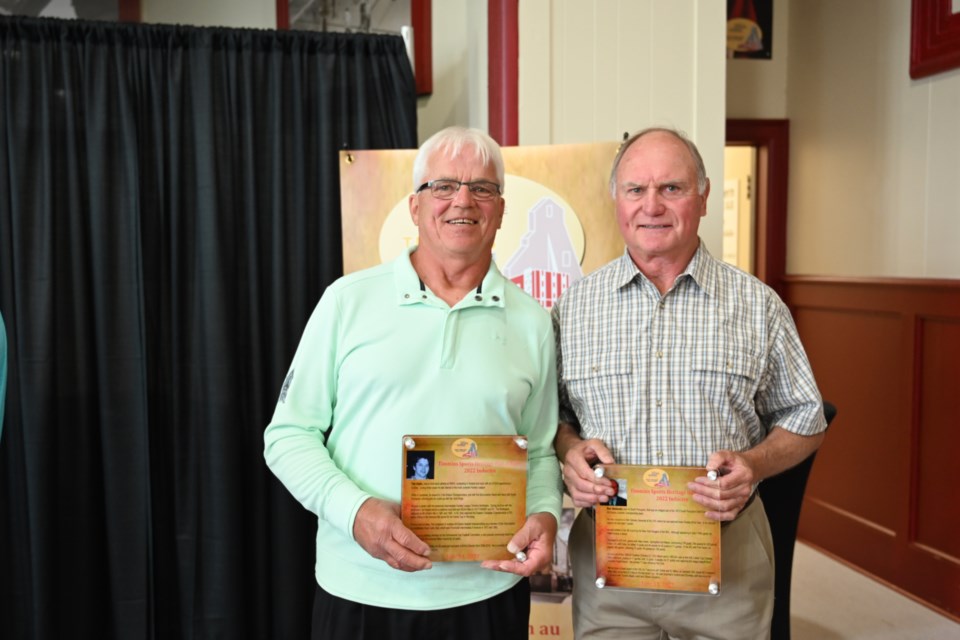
(503, 42)
(421, 19)
(934, 38)
(283, 14)
(882, 493)
(128, 10)
(772, 140)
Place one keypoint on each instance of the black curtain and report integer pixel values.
(169, 216)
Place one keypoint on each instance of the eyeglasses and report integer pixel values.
(481, 190)
(666, 190)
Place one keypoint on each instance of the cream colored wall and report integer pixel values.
(758, 88)
(875, 156)
(257, 14)
(459, 68)
(589, 71)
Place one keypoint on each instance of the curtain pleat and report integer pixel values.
(169, 216)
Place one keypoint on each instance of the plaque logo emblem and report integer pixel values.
(656, 478)
(464, 448)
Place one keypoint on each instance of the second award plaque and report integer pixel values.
(652, 536)
(465, 496)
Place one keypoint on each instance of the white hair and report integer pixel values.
(453, 141)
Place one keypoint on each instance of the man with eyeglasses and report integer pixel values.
(436, 342)
(669, 357)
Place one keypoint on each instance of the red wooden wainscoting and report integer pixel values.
(884, 494)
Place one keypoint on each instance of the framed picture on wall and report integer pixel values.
(934, 37)
(394, 17)
(750, 29)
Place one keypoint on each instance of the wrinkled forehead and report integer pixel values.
(656, 159)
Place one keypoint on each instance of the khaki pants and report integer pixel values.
(742, 610)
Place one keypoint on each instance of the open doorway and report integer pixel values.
(739, 185)
(771, 139)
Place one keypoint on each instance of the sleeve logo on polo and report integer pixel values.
(286, 386)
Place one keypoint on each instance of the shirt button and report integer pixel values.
(659, 454)
(659, 354)
(496, 298)
(478, 298)
(595, 368)
(659, 404)
(406, 295)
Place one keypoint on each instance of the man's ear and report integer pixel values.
(705, 196)
(414, 203)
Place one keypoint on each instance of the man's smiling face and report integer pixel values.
(463, 227)
(421, 468)
(658, 207)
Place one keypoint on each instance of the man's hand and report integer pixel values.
(578, 457)
(379, 530)
(535, 539)
(725, 496)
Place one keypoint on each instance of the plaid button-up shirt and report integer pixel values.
(713, 364)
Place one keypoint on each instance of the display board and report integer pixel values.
(559, 222)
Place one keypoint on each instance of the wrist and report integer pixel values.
(565, 440)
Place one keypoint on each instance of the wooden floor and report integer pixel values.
(833, 602)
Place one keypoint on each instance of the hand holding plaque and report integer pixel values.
(465, 496)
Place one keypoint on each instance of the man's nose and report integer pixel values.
(652, 201)
(463, 197)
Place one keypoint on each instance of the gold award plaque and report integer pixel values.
(653, 536)
(465, 496)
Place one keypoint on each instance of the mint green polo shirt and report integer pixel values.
(381, 358)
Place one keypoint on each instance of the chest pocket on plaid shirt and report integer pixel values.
(726, 378)
(600, 386)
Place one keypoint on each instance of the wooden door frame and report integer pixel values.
(772, 141)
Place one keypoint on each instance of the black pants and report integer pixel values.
(505, 616)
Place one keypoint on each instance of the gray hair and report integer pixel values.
(453, 141)
(679, 135)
